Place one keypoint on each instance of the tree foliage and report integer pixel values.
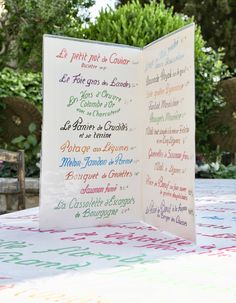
(217, 19)
(218, 22)
(23, 23)
(139, 25)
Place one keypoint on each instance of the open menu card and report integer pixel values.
(118, 133)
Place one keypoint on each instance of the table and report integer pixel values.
(126, 262)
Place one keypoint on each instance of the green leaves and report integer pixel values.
(224, 172)
(31, 146)
(23, 84)
(32, 140)
(26, 143)
(32, 127)
(18, 140)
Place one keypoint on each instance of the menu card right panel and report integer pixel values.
(169, 147)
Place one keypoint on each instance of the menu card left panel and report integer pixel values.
(91, 144)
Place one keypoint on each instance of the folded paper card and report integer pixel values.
(118, 133)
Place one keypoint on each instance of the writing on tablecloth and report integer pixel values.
(75, 252)
(23, 253)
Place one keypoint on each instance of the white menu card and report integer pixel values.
(118, 133)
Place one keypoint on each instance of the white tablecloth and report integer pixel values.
(123, 263)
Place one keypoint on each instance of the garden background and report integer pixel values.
(23, 23)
